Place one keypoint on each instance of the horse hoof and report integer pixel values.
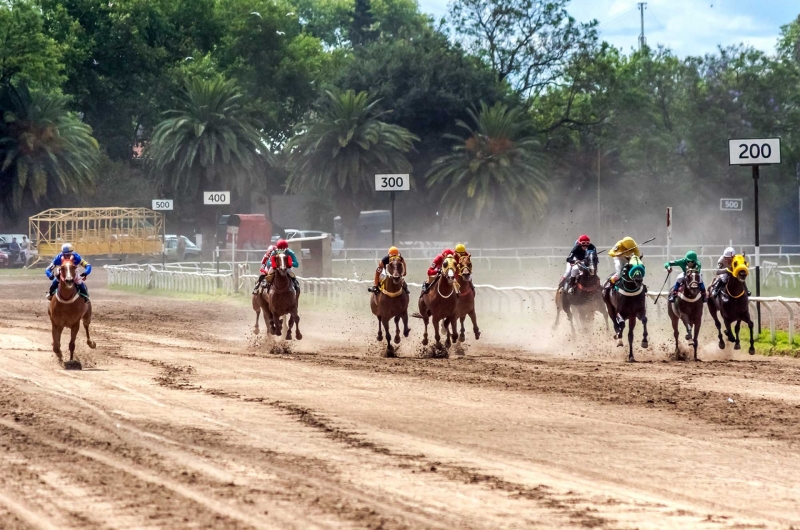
(397, 339)
(380, 338)
(477, 334)
(619, 344)
(737, 346)
(298, 336)
(406, 332)
(644, 344)
(751, 351)
(73, 365)
(688, 337)
(696, 359)
(721, 345)
(631, 359)
(390, 353)
(462, 338)
(255, 331)
(447, 343)
(425, 342)
(91, 344)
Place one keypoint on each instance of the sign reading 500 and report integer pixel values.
(216, 197)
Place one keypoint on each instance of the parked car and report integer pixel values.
(171, 248)
(12, 259)
(5, 260)
(292, 233)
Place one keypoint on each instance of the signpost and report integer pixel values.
(731, 205)
(669, 233)
(755, 152)
(216, 197)
(392, 183)
(163, 205)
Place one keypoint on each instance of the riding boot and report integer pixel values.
(296, 284)
(373, 289)
(424, 288)
(405, 288)
(83, 290)
(571, 289)
(671, 296)
(258, 283)
(53, 289)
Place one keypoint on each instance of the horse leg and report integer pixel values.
(380, 329)
(397, 330)
(425, 335)
(258, 315)
(73, 334)
(752, 350)
(406, 329)
(731, 337)
(713, 310)
(57, 330)
(737, 345)
(643, 318)
(296, 318)
(436, 335)
(454, 329)
(620, 327)
(631, 325)
(87, 319)
(696, 334)
(674, 319)
(461, 333)
(474, 318)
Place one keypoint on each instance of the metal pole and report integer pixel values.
(598, 190)
(642, 41)
(392, 218)
(164, 243)
(669, 233)
(758, 250)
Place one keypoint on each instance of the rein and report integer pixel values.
(275, 286)
(455, 287)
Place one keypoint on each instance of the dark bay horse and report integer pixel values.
(628, 301)
(687, 308)
(67, 310)
(391, 302)
(282, 299)
(733, 304)
(260, 304)
(587, 298)
(466, 300)
(439, 303)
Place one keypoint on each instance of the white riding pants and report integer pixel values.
(572, 271)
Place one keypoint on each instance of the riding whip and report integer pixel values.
(635, 246)
(662, 287)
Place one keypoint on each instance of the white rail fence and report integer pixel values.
(343, 292)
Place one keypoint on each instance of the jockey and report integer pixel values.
(433, 271)
(68, 254)
(282, 247)
(724, 265)
(622, 252)
(461, 252)
(380, 272)
(264, 271)
(690, 261)
(578, 253)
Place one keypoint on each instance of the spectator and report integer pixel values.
(24, 247)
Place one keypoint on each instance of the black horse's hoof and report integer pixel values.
(730, 336)
(380, 338)
(644, 344)
(477, 334)
(688, 336)
(721, 345)
(751, 351)
(737, 346)
(631, 360)
(406, 332)
(397, 339)
(74, 364)
(298, 335)
(425, 341)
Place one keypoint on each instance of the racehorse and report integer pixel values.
(687, 308)
(260, 304)
(587, 298)
(391, 302)
(282, 299)
(627, 301)
(466, 300)
(67, 309)
(439, 303)
(733, 304)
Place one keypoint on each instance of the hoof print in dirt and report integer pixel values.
(73, 365)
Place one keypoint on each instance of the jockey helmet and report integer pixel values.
(447, 252)
(282, 244)
(460, 248)
(729, 252)
(270, 248)
(67, 248)
(691, 256)
(394, 252)
(584, 239)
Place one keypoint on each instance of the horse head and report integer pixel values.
(396, 269)
(465, 268)
(691, 281)
(281, 264)
(739, 267)
(66, 273)
(588, 263)
(635, 271)
(449, 269)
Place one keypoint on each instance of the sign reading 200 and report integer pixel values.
(754, 151)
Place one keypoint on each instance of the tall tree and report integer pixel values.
(340, 147)
(494, 170)
(210, 141)
(362, 29)
(26, 52)
(44, 148)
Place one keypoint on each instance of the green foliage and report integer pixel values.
(495, 170)
(44, 148)
(27, 53)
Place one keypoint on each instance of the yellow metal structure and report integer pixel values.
(97, 231)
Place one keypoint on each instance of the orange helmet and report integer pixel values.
(394, 252)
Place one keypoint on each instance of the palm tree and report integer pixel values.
(340, 147)
(44, 148)
(495, 170)
(211, 141)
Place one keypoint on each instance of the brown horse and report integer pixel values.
(260, 304)
(687, 308)
(466, 300)
(439, 303)
(391, 302)
(733, 304)
(586, 298)
(67, 309)
(628, 301)
(282, 300)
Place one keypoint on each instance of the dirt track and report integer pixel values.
(185, 421)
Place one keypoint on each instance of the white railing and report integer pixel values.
(343, 292)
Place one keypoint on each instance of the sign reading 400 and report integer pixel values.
(392, 183)
(216, 197)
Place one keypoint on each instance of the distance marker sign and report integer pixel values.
(162, 204)
(392, 183)
(731, 205)
(216, 197)
(754, 151)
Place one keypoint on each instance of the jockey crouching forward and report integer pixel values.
(265, 267)
(578, 253)
(460, 253)
(68, 254)
(435, 268)
(282, 247)
(690, 261)
(380, 272)
(622, 253)
(724, 265)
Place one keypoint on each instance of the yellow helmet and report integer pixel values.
(460, 248)
(394, 252)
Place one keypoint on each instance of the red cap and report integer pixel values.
(583, 239)
(282, 244)
(447, 252)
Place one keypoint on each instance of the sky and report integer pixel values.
(688, 27)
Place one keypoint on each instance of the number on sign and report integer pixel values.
(392, 182)
(162, 204)
(755, 151)
(216, 197)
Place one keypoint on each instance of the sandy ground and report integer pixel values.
(183, 419)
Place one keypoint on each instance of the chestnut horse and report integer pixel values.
(466, 300)
(282, 299)
(391, 302)
(67, 309)
(687, 308)
(733, 304)
(439, 303)
(260, 304)
(586, 299)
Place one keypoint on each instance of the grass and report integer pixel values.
(764, 345)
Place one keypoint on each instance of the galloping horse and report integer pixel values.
(627, 301)
(282, 299)
(687, 308)
(67, 309)
(439, 303)
(466, 300)
(587, 298)
(391, 302)
(260, 303)
(733, 303)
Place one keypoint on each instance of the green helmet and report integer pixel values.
(691, 256)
